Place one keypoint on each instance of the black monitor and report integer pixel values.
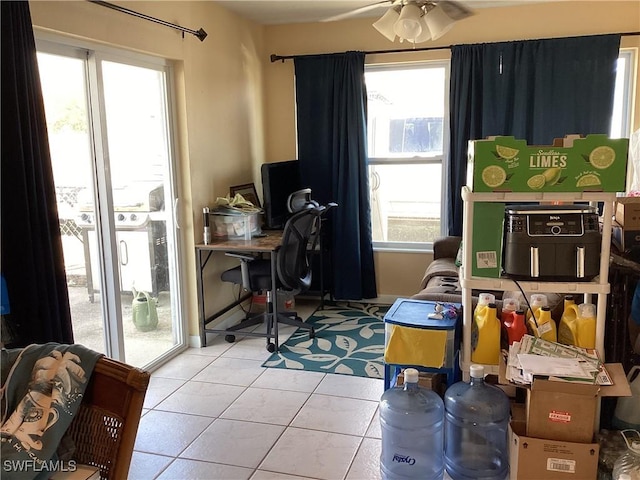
(279, 180)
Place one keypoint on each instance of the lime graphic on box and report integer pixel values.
(494, 176)
(602, 157)
(548, 168)
(552, 175)
(588, 180)
(506, 152)
(536, 182)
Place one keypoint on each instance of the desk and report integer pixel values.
(269, 244)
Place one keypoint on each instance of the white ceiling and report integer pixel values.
(274, 12)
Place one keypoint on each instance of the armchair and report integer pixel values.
(104, 429)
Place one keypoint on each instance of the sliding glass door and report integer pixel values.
(108, 120)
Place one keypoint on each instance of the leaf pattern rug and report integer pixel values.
(349, 340)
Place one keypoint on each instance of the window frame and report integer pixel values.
(442, 160)
(628, 87)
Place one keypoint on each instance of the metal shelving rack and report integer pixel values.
(599, 286)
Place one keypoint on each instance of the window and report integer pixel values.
(407, 138)
(621, 118)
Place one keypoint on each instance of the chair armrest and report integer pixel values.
(446, 247)
(241, 256)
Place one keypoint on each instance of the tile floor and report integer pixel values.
(216, 413)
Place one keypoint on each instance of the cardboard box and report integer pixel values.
(628, 212)
(488, 224)
(624, 238)
(432, 381)
(535, 459)
(561, 411)
(567, 411)
(573, 164)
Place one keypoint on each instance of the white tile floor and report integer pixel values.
(216, 413)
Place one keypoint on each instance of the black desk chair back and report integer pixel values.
(299, 238)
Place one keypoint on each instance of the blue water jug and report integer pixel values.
(412, 422)
(476, 422)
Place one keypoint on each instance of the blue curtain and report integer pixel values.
(535, 90)
(331, 104)
(32, 257)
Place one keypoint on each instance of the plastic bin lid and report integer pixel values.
(415, 313)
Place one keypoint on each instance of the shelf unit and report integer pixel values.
(599, 286)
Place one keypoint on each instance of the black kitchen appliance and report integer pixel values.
(552, 242)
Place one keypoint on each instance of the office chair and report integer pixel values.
(299, 200)
(299, 238)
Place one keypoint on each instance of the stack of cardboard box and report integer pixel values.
(552, 434)
(626, 227)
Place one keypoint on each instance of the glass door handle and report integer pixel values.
(124, 253)
(176, 211)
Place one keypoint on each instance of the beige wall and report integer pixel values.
(235, 109)
(400, 273)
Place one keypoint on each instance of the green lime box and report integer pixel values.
(488, 228)
(594, 163)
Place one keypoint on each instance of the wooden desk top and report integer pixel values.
(268, 243)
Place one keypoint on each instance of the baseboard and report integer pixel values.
(235, 317)
(380, 299)
(384, 299)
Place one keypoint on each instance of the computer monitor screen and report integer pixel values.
(279, 180)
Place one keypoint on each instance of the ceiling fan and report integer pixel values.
(415, 21)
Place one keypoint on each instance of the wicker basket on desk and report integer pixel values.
(105, 427)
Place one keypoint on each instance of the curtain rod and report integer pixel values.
(275, 58)
(201, 34)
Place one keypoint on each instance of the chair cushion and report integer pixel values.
(259, 275)
(442, 267)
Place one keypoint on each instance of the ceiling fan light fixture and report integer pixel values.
(409, 26)
(426, 33)
(385, 24)
(438, 22)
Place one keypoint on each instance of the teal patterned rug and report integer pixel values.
(349, 340)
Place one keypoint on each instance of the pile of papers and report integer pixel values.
(533, 356)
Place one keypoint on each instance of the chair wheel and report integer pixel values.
(271, 347)
(312, 333)
(229, 338)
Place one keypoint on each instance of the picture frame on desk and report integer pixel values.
(248, 191)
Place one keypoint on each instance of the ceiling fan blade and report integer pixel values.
(455, 10)
(357, 11)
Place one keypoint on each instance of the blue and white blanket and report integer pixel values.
(42, 387)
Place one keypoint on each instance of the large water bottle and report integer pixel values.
(412, 421)
(627, 467)
(476, 421)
